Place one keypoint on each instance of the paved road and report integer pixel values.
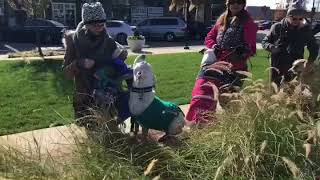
(6, 47)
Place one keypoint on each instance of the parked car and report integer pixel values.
(49, 32)
(317, 37)
(167, 28)
(198, 30)
(119, 30)
(265, 24)
(315, 27)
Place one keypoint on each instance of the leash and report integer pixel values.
(142, 90)
(233, 49)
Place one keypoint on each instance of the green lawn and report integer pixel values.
(36, 95)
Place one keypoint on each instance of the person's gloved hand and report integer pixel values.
(123, 55)
(215, 46)
(241, 50)
(275, 49)
(238, 53)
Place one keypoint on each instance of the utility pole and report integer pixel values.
(186, 18)
(78, 11)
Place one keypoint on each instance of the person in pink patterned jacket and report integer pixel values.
(232, 41)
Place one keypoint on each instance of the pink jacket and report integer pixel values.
(250, 33)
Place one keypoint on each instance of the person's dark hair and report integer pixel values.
(223, 19)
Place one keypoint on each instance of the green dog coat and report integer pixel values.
(158, 115)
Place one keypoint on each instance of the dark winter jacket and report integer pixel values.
(291, 41)
(80, 45)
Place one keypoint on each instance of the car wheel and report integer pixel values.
(169, 37)
(121, 38)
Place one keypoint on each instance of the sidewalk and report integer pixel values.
(56, 142)
(146, 50)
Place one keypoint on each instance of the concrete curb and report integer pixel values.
(56, 142)
(150, 51)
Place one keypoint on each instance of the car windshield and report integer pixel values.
(168, 21)
(42, 22)
(55, 23)
(143, 23)
(113, 24)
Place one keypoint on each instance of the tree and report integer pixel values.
(33, 8)
(188, 6)
(191, 4)
(30, 8)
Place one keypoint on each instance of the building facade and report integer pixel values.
(64, 11)
(68, 12)
(217, 7)
(260, 12)
(2, 17)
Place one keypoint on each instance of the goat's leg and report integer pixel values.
(136, 127)
(163, 138)
(145, 133)
(132, 124)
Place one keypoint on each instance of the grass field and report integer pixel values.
(260, 135)
(36, 95)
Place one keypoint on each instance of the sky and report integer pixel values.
(272, 3)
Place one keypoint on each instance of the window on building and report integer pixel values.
(216, 10)
(120, 2)
(64, 13)
(1, 7)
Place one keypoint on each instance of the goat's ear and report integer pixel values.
(299, 61)
(140, 58)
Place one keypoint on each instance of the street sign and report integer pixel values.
(140, 13)
(155, 11)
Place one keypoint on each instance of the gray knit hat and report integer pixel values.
(296, 8)
(93, 13)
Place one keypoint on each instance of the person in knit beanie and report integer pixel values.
(286, 41)
(93, 13)
(296, 8)
(88, 49)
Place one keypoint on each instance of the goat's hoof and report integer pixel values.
(163, 138)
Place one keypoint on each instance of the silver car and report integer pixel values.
(167, 28)
(119, 30)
